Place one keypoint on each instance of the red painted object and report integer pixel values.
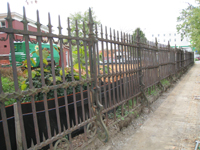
(17, 24)
(65, 57)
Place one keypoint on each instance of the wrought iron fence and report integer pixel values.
(113, 69)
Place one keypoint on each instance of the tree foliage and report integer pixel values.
(141, 34)
(82, 17)
(76, 22)
(190, 25)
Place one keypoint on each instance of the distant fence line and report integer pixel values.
(105, 88)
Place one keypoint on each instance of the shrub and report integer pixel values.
(8, 86)
(37, 82)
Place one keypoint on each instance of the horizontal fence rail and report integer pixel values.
(108, 71)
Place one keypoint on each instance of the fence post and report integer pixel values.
(181, 61)
(168, 60)
(156, 43)
(141, 84)
(94, 88)
(17, 128)
(177, 61)
(169, 63)
(174, 54)
(139, 59)
(159, 67)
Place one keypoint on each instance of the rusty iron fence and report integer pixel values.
(118, 69)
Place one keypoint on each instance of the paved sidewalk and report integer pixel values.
(175, 125)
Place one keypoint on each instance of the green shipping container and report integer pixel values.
(20, 53)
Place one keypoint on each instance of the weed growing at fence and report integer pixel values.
(165, 82)
(125, 109)
(153, 92)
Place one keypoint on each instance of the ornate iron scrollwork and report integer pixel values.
(91, 129)
(101, 127)
(95, 89)
(62, 144)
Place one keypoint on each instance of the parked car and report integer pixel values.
(20, 53)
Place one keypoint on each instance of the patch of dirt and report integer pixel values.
(119, 137)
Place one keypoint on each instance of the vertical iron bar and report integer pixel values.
(39, 39)
(134, 68)
(125, 69)
(158, 59)
(63, 77)
(139, 59)
(130, 66)
(132, 63)
(113, 82)
(122, 40)
(116, 68)
(98, 65)
(53, 72)
(26, 37)
(104, 79)
(120, 70)
(95, 89)
(14, 68)
(80, 78)
(108, 68)
(86, 66)
(72, 72)
(4, 118)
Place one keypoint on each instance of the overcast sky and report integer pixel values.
(125, 15)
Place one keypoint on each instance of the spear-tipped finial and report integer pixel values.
(9, 17)
(25, 21)
(32, 143)
(69, 29)
(64, 128)
(90, 16)
(49, 24)
(168, 43)
(54, 132)
(9, 12)
(38, 24)
(72, 124)
(156, 41)
(90, 23)
(59, 25)
(43, 137)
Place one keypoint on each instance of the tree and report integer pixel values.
(80, 18)
(190, 25)
(141, 34)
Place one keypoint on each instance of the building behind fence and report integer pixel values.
(100, 90)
